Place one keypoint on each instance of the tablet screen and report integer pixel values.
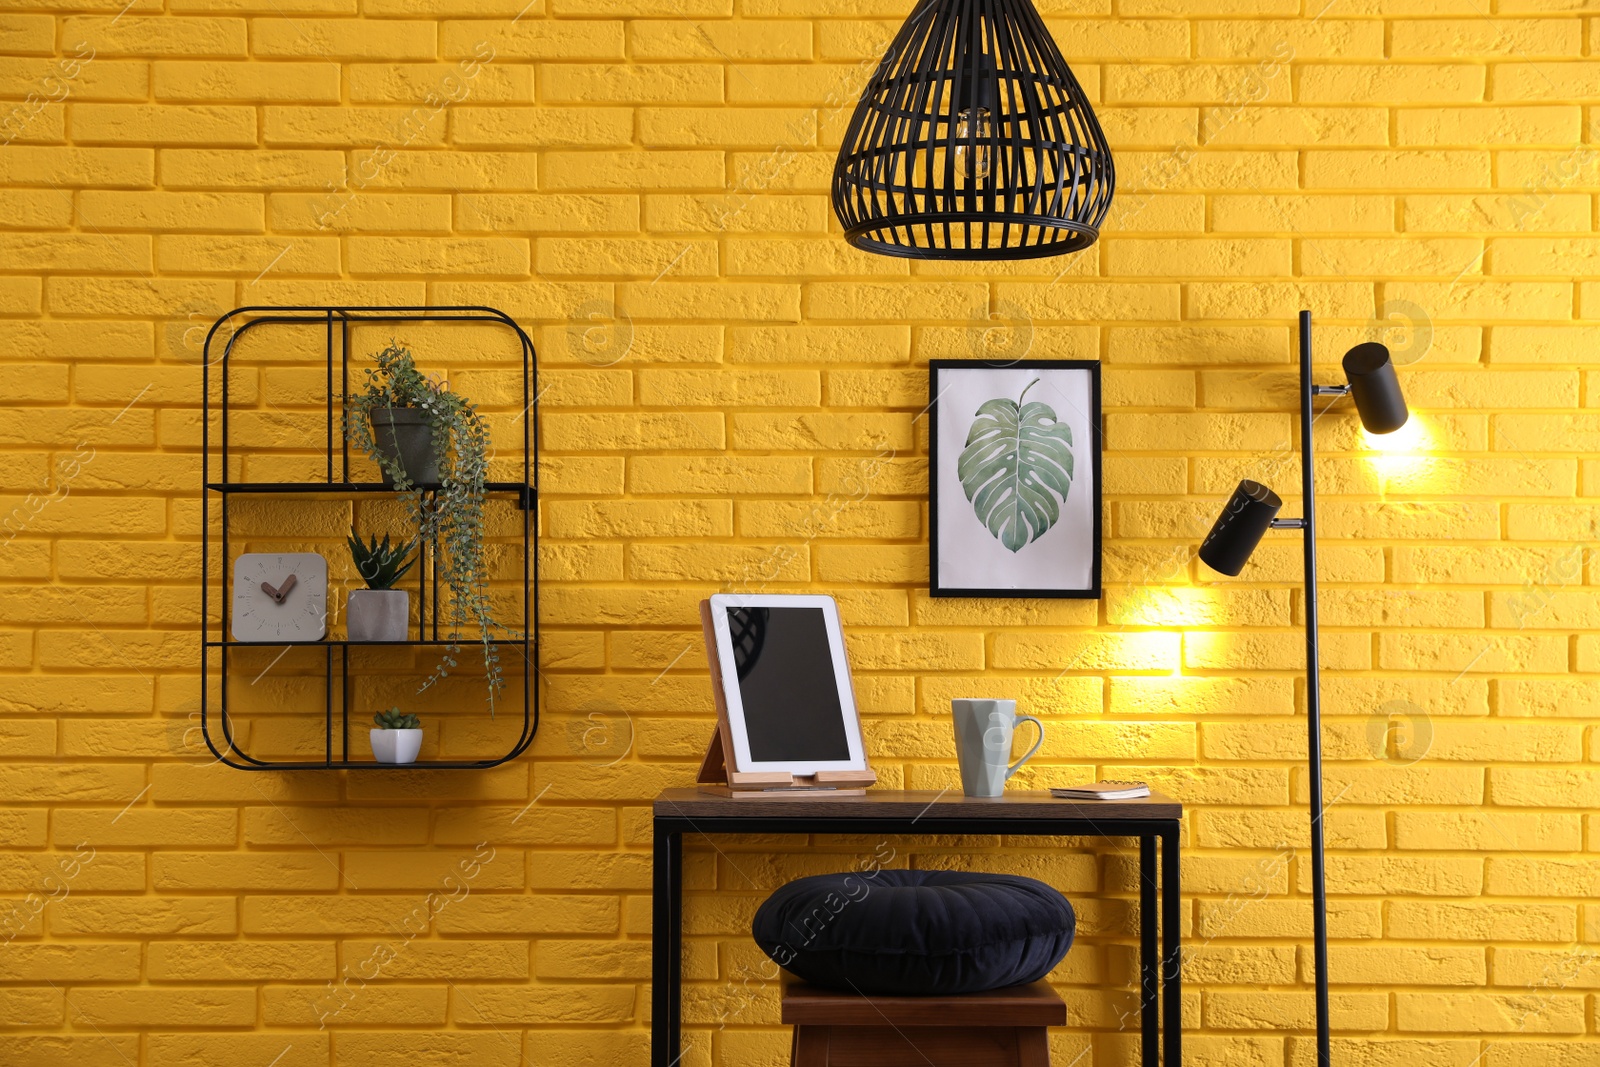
(787, 684)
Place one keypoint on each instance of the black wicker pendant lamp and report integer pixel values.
(973, 141)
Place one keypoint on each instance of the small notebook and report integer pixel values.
(1103, 791)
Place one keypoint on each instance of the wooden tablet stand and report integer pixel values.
(718, 773)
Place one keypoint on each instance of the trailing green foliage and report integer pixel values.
(381, 565)
(395, 719)
(450, 517)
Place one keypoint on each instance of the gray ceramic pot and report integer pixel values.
(404, 433)
(377, 614)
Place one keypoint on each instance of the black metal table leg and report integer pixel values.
(1161, 1003)
(1149, 997)
(666, 994)
(1171, 933)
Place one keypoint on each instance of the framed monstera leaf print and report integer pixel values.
(1014, 478)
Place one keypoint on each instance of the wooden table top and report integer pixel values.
(910, 804)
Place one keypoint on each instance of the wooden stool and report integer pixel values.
(1000, 1028)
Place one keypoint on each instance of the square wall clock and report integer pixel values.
(280, 597)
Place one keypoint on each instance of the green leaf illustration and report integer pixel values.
(1017, 462)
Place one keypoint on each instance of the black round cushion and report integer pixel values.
(915, 933)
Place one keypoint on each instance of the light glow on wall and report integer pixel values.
(1403, 454)
(1174, 605)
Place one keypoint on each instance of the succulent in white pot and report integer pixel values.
(379, 612)
(397, 738)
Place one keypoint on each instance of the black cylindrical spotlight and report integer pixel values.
(1375, 388)
(1240, 527)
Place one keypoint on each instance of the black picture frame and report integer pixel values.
(952, 585)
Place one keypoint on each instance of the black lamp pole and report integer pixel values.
(1308, 537)
(1250, 513)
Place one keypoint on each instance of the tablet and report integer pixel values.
(786, 683)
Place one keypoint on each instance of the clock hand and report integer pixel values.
(281, 592)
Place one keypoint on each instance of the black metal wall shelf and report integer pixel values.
(334, 642)
(335, 324)
(346, 487)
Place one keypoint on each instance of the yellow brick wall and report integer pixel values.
(730, 399)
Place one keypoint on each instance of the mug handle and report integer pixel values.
(1029, 755)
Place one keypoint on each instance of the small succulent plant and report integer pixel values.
(381, 565)
(395, 719)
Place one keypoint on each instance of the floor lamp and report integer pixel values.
(1251, 512)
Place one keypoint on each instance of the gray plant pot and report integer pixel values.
(404, 434)
(378, 614)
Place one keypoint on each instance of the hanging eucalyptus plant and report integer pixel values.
(448, 516)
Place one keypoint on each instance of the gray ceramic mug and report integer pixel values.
(984, 729)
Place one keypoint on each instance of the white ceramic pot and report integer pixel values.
(378, 614)
(396, 746)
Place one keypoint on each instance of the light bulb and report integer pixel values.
(973, 130)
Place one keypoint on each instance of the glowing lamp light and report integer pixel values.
(1402, 456)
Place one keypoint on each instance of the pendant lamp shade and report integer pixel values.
(973, 141)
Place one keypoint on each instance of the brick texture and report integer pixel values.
(732, 401)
